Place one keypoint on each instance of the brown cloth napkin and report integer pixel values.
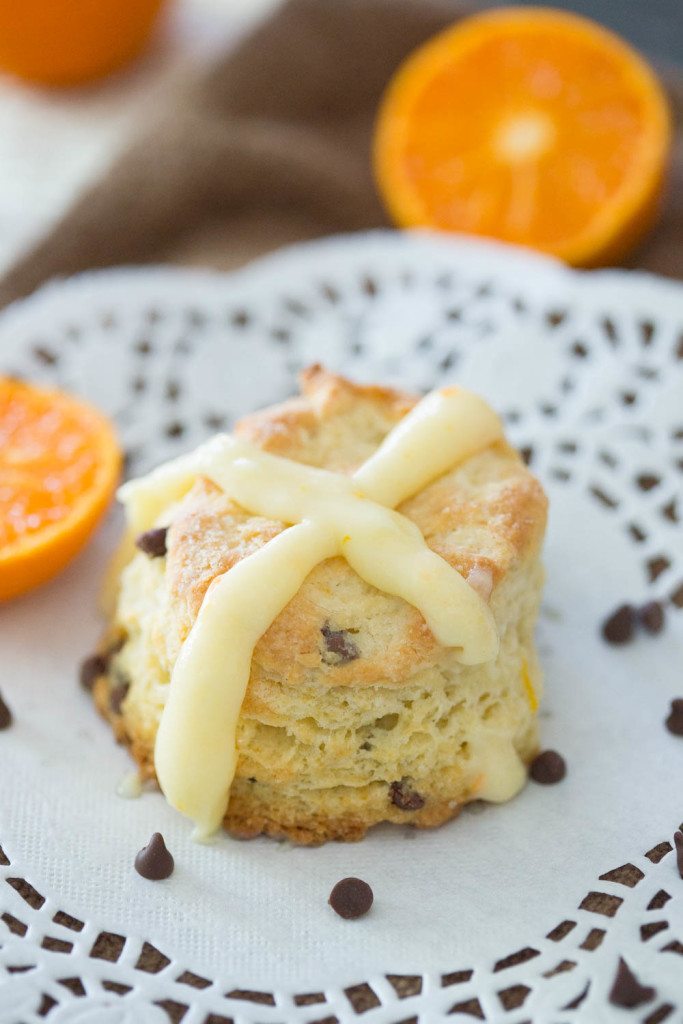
(270, 145)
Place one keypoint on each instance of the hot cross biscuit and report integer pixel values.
(343, 614)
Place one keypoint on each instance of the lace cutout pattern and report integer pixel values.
(587, 371)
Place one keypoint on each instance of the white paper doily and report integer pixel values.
(517, 913)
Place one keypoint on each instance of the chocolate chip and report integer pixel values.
(627, 990)
(678, 843)
(154, 861)
(5, 715)
(651, 617)
(619, 627)
(548, 767)
(153, 542)
(405, 798)
(117, 696)
(351, 898)
(91, 669)
(339, 647)
(674, 722)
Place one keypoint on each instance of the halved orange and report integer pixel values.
(529, 125)
(59, 465)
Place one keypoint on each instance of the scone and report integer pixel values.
(395, 700)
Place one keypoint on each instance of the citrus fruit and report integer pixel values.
(66, 42)
(530, 125)
(59, 465)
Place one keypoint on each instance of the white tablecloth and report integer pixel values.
(52, 141)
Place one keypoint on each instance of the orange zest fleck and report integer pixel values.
(529, 125)
(59, 465)
(529, 688)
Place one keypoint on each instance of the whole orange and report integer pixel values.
(66, 42)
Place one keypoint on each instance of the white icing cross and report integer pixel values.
(328, 514)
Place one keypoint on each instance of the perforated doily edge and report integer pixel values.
(546, 277)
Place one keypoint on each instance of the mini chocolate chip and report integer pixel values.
(117, 697)
(5, 715)
(627, 990)
(91, 669)
(153, 542)
(154, 861)
(618, 628)
(678, 843)
(651, 617)
(339, 647)
(674, 722)
(405, 798)
(548, 767)
(351, 898)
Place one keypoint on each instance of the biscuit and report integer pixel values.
(354, 714)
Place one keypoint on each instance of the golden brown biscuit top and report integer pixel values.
(483, 518)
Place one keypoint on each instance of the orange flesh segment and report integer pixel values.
(534, 127)
(59, 464)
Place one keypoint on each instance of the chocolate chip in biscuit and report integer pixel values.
(620, 626)
(674, 722)
(117, 695)
(154, 860)
(626, 989)
(339, 646)
(651, 617)
(91, 669)
(351, 898)
(678, 843)
(548, 767)
(404, 797)
(5, 715)
(153, 542)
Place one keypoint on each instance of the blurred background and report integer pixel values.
(54, 139)
(654, 26)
